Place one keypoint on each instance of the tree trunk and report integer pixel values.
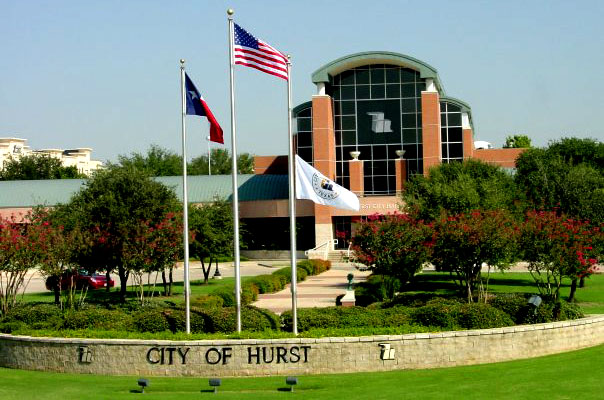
(123, 283)
(164, 282)
(57, 292)
(582, 282)
(171, 281)
(573, 289)
(206, 272)
(108, 276)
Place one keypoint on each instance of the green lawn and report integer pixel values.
(197, 288)
(575, 375)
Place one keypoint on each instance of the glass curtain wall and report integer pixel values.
(451, 133)
(303, 131)
(377, 110)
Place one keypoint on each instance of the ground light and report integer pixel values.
(291, 381)
(143, 383)
(215, 382)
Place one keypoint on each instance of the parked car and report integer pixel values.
(81, 279)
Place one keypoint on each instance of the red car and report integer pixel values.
(81, 278)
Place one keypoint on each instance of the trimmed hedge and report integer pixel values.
(252, 319)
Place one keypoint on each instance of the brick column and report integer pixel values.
(400, 169)
(357, 177)
(324, 159)
(431, 130)
(468, 143)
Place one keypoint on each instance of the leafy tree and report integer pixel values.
(558, 247)
(21, 249)
(395, 245)
(221, 163)
(212, 232)
(112, 206)
(37, 166)
(459, 188)
(157, 162)
(463, 243)
(517, 142)
(567, 176)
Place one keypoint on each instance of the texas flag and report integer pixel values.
(196, 105)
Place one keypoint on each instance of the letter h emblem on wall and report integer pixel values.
(387, 352)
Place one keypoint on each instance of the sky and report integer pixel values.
(105, 74)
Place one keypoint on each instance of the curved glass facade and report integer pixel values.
(451, 133)
(303, 131)
(377, 111)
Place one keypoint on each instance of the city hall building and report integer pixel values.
(377, 119)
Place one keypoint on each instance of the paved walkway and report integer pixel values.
(316, 291)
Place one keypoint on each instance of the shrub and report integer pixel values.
(252, 319)
(36, 315)
(570, 311)
(97, 318)
(13, 326)
(481, 316)
(249, 293)
(513, 304)
(227, 295)
(268, 283)
(207, 301)
(345, 317)
(438, 312)
(308, 266)
(150, 320)
(176, 320)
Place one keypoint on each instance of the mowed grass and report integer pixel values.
(574, 375)
(198, 288)
(590, 297)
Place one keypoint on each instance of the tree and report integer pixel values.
(37, 166)
(21, 249)
(459, 188)
(567, 176)
(394, 245)
(559, 247)
(212, 232)
(112, 206)
(157, 162)
(221, 163)
(517, 142)
(465, 242)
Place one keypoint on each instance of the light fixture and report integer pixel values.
(143, 383)
(291, 381)
(355, 155)
(215, 382)
(400, 153)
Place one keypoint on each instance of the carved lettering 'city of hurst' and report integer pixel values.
(278, 355)
(167, 355)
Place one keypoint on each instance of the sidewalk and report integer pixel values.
(316, 291)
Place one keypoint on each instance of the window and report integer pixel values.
(451, 133)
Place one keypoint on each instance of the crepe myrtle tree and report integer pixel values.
(463, 243)
(558, 247)
(394, 245)
(152, 248)
(22, 246)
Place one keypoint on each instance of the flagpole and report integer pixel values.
(292, 200)
(230, 13)
(185, 201)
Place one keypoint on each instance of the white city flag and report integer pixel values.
(313, 185)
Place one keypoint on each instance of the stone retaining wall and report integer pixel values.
(298, 356)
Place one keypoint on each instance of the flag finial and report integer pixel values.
(182, 61)
(230, 12)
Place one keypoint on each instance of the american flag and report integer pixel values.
(255, 53)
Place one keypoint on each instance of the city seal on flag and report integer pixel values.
(323, 187)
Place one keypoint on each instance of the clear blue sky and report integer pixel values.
(105, 74)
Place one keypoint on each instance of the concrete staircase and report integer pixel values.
(338, 256)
